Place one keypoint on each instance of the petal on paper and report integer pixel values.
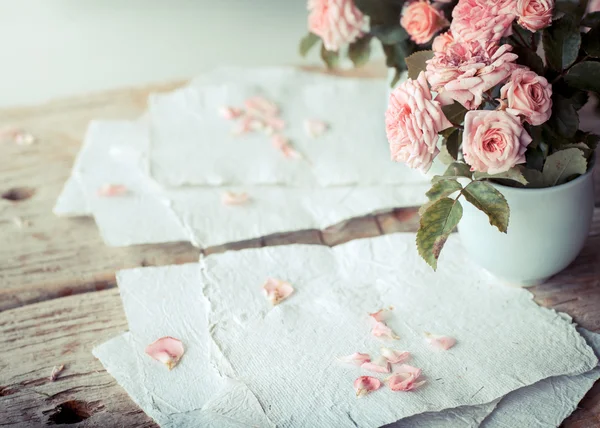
(17, 136)
(405, 378)
(230, 113)
(248, 124)
(109, 190)
(365, 385)
(395, 357)
(314, 128)
(281, 143)
(232, 198)
(407, 368)
(380, 315)
(380, 329)
(440, 342)
(167, 350)
(261, 106)
(380, 365)
(357, 358)
(277, 290)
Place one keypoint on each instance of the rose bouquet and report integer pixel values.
(498, 95)
(403, 27)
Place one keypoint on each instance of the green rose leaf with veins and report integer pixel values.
(489, 200)
(437, 222)
(562, 41)
(455, 113)
(563, 165)
(455, 170)
(441, 189)
(585, 75)
(514, 174)
(417, 62)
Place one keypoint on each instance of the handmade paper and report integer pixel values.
(529, 344)
(188, 131)
(115, 152)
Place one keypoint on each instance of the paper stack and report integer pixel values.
(248, 363)
(173, 166)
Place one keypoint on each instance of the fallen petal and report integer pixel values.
(275, 123)
(440, 342)
(405, 378)
(248, 124)
(230, 113)
(395, 357)
(380, 365)
(366, 384)
(357, 359)
(281, 143)
(231, 198)
(17, 136)
(261, 106)
(382, 330)
(406, 368)
(167, 350)
(108, 190)
(314, 128)
(24, 139)
(380, 315)
(277, 290)
(56, 371)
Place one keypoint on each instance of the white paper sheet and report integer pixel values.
(373, 258)
(114, 152)
(187, 131)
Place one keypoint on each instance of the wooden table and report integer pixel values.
(57, 279)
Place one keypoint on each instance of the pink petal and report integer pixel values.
(314, 128)
(17, 136)
(277, 290)
(281, 143)
(380, 365)
(382, 330)
(395, 357)
(275, 123)
(357, 359)
(248, 124)
(366, 384)
(56, 371)
(109, 190)
(405, 378)
(167, 350)
(230, 113)
(231, 198)
(440, 342)
(261, 106)
(380, 315)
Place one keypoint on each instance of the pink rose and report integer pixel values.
(593, 6)
(528, 95)
(535, 14)
(421, 21)
(337, 22)
(482, 20)
(441, 42)
(412, 123)
(494, 141)
(464, 71)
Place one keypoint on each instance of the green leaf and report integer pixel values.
(585, 76)
(564, 120)
(307, 43)
(331, 58)
(535, 160)
(591, 42)
(389, 34)
(417, 62)
(591, 19)
(562, 41)
(513, 174)
(578, 98)
(437, 222)
(534, 177)
(453, 142)
(454, 170)
(455, 113)
(489, 200)
(529, 58)
(380, 11)
(441, 189)
(563, 165)
(360, 51)
(396, 78)
(590, 140)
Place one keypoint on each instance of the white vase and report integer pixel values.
(547, 230)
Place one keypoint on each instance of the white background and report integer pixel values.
(57, 48)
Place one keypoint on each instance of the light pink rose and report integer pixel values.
(494, 141)
(482, 20)
(535, 14)
(442, 41)
(412, 123)
(464, 71)
(336, 22)
(421, 21)
(528, 95)
(593, 6)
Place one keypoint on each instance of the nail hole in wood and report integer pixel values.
(17, 194)
(72, 412)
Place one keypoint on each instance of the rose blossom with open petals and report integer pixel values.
(528, 95)
(336, 22)
(421, 21)
(484, 20)
(494, 141)
(464, 71)
(412, 122)
(535, 14)
(442, 41)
